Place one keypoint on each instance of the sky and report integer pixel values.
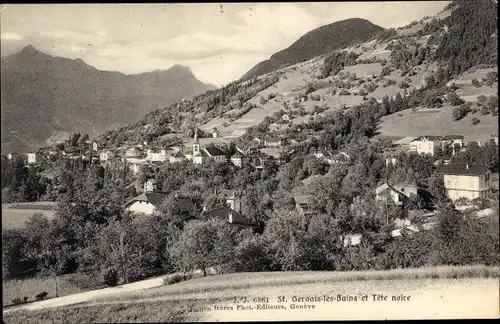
(219, 42)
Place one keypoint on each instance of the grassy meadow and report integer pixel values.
(14, 215)
(437, 122)
(445, 284)
(66, 284)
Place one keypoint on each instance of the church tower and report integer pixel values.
(196, 144)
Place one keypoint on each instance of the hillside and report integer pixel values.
(46, 97)
(317, 42)
(392, 62)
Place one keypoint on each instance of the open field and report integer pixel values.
(431, 122)
(67, 285)
(14, 215)
(434, 292)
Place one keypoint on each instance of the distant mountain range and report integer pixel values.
(44, 96)
(321, 40)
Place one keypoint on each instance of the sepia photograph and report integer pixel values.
(227, 162)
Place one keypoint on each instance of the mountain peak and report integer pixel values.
(29, 49)
(181, 68)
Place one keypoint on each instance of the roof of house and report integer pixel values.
(227, 193)
(156, 198)
(237, 155)
(404, 140)
(400, 188)
(214, 151)
(151, 180)
(465, 169)
(201, 153)
(178, 155)
(301, 199)
(452, 137)
(428, 138)
(223, 212)
(271, 151)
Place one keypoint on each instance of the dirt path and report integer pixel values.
(89, 295)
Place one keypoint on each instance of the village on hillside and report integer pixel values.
(361, 161)
(464, 184)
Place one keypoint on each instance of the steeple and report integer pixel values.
(196, 144)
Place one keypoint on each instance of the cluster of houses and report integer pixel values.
(196, 153)
(151, 199)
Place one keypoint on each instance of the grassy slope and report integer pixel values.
(439, 288)
(67, 285)
(294, 79)
(15, 218)
(437, 122)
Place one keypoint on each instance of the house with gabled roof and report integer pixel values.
(147, 203)
(398, 193)
(177, 157)
(233, 217)
(303, 204)
(150, 185)
(232, 198)
(238, 158)
(106, 155)
(427, 144)
(469, 181)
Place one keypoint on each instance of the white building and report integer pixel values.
(469, 181)
(147, 203)
(106, 155)
(150, 185)
(156, 156)
(33, 158)
(135, 165)
(237, 159)
(232, 197)
(132, 152)
(427, 144)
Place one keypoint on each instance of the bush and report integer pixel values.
(476, 83)
(389, 82)
(176, 277)
(25, 299)
(42, 295)
(491, 78)
(460, 112)
(484, 110)
(475, 121)
(110, 277)
(16, 301)
(403, 85)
